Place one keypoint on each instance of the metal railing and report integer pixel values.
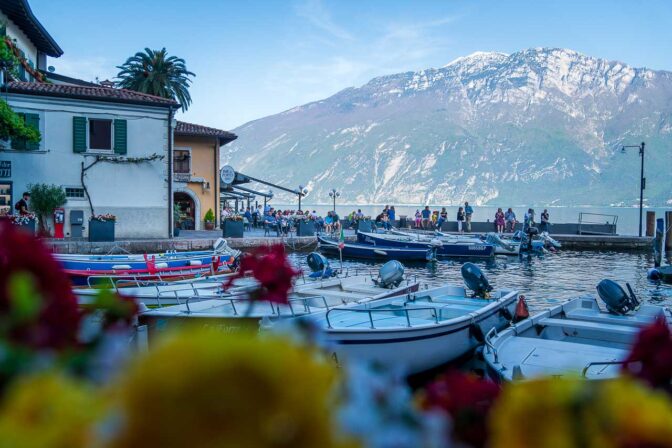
(597, 219)
(603, 363)
(369, 311)
(489, 345)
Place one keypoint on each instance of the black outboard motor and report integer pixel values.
(319, 266)
(615, 298)
(476, 280)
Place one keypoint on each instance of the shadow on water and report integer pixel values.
(544, 280)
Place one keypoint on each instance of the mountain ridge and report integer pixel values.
(486, 127)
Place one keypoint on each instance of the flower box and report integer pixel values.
(27, 225)
(232, 229)
(305, 228)
(101, 230)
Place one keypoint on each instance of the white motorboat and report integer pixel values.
(574, 338)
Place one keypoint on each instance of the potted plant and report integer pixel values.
(209, 219)
(101, 227)
(176, 220)
(232, 226)
(26, 222)
(43, 200)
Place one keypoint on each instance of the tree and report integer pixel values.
(13, 126)
(43, 200)
(155, 73)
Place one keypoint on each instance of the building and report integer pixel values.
(196, 172)
(109, 148)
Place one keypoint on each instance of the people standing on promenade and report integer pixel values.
(529, 219)
(392, 214)
(499, 220)
(418, 219)
(545, 221)
(468, 211)
(443, 217)
(460, 219)
(510, 218)
(426, 215)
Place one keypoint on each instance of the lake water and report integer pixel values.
(628, 217)
(544, 280)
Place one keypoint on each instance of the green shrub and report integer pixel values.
(209, 216)
(43, 200)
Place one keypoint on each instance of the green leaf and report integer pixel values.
(25, 299)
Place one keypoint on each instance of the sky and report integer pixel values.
(254, 58)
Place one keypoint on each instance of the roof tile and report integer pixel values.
(184, 128)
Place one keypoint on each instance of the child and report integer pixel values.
(460, 218)
(418, 219)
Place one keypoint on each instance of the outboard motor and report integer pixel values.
(654, 274)
(550, 242)
(390, 275)
(495, 240)
(615, 298)
(476, 280)
(319, 266)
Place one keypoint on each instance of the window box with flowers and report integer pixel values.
(25, 222)
(232, 226)
(101, 228)
(305, 227)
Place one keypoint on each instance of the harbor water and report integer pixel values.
(544, 280)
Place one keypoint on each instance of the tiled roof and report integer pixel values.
(186, 129)
(19, 12)
(99, 93)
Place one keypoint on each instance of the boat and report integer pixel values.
(313, 296)
(378, 252)
(576, 338)
(421, 330)
(443, 248)
(502, 245)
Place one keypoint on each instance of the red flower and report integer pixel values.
(271, 268)
(42, 312)
(650, 358)
(467, 399)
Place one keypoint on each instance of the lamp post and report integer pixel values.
(267, 198)
(642, 182)
(302, 191)
(334, 194)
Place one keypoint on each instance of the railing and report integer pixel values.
(603, 363)
(369, 311)
(597, 219)
(489, 345)
(306, 305)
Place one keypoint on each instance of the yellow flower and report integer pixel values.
(203, 388)
(49, 411)
(569, 412)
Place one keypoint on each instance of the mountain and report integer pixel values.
(537, 127)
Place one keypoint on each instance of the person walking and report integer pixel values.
(460, 219)
(21, 205)
(510, 218)
(426, 215)
(545, 221)
(468, 211)
(499, 220)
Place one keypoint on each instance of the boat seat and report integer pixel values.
(590, 315)
(583, 325)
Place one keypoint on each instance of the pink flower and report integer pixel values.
(650, 358)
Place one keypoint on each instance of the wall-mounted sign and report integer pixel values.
(227, 174)
(5, 169)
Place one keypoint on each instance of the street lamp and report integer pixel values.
(302, 191)
(334, 194)
(267, 197)
(642, 182)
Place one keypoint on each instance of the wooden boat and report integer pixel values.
(574, 338)
(503, 246)
(417, 331)
(444, 248)
(379, 252)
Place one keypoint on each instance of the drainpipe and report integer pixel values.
(171, 113)
(215, 187)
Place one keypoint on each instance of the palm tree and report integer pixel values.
(155, 73)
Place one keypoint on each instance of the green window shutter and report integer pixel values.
(79, 134)
(19, 143)
(120, 137)
(33, 120)
(22, 70)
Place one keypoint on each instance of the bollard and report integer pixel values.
(668, 234)
(650, 223)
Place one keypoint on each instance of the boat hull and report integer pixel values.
(444, 250)
(369, 252)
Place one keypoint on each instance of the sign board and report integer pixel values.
(5, 169)
(227, 174)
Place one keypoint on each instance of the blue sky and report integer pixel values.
(256, 58)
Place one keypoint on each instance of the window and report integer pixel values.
(74, 192)
(182, 161)
(32, 120)
(100, 134)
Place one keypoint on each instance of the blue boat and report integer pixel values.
(443, 248)
(367, 251)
